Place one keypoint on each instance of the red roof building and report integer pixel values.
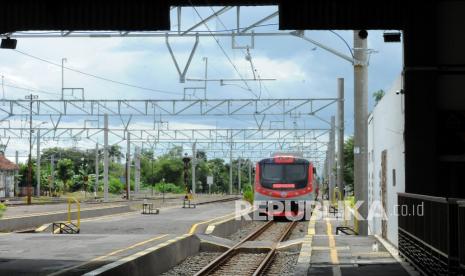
(7, 165)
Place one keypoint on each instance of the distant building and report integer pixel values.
(8, 170)
(386, 160)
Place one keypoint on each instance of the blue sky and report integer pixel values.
(301, 71)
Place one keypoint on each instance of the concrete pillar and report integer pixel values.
(239, 176)
(137, 170)
(105, 158)
(52, 174)
(250, 172)
(230, 169)
(193, 163)
(96, 170)
(38, 164)
(340, 135)
(361, 126)
(331, 158)
(128, 166)
(16, 174)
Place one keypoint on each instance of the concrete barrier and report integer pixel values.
(226, 227)
(154, 260)
(36, 220)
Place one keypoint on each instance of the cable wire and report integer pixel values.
(98, 77)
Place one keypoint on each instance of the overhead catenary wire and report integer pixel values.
(223, 50)
(96, 76)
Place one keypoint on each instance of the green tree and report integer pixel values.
(349, 162)
(65, 171)
(378, 95)
(175, 152)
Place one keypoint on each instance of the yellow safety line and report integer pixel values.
(43, 227)
(194, 227)
(108, 255)
(57, 230)
(110, 216)
(331, 242)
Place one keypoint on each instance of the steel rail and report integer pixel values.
(223, 258)
(212, 266)
(269, 257)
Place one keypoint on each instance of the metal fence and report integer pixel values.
(429, 233)
(461, 237)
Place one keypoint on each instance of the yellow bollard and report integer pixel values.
(78, 214)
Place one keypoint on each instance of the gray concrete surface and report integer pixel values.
(333, 254)
(14, 223)
(102, 240)
(154, 260)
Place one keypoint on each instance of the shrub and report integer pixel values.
(248, 193)
(114, 185)
(2, 209)
(168, 188)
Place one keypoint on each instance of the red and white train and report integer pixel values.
(284, 180)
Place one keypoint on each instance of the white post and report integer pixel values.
(105, 158)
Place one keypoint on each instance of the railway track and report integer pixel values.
(235, 262)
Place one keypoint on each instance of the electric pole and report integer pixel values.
(29, 163)
(340, 135)
(105, 158)
(332, 178)
(360, 126)
(128, 166)
(63, 60)
(96, 170)
(193, 163)
(38, 165)
(239, 176)
(52, 174)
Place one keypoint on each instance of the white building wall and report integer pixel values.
(385, 132)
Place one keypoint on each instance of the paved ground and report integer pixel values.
(102, 240)
(348, 254)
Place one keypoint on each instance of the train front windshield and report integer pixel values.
(272, 174)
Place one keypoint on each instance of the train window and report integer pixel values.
(284, 173)
(272, 172)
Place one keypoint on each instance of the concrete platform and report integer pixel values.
(325, 253)
(103, 240)
(36, 219)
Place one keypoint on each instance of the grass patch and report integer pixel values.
(2, 209)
